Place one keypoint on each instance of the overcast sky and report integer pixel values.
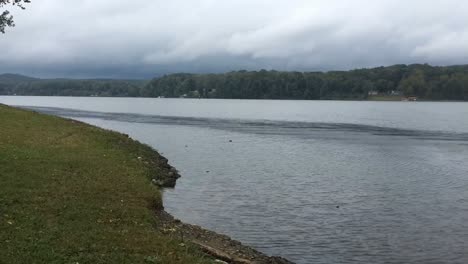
(142, 38)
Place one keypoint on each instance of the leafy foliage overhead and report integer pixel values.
(6, 20)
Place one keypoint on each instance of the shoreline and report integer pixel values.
(219, 246)
(111, 184)
(307, 100)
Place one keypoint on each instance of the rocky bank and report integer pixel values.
(221, 247)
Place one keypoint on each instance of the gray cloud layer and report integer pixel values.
(117, 38)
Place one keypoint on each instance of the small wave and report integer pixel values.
(267, 127)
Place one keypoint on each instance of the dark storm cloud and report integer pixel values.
(86, 38)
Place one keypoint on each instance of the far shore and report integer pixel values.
(369, 99)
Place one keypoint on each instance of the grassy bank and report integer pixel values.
(73, 193)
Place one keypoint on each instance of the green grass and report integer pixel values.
(73, 193)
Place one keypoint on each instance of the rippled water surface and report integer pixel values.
(313, 181)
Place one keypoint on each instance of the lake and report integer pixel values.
(312, 181)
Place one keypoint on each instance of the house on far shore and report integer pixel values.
(371, 93)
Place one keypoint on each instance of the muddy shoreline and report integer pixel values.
(219, 246)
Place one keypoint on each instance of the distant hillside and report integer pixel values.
(14, 84)
(14, 78)
(419, 81)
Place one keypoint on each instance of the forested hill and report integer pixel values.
(423, 81)
(9, 78)
(13, 84)
(419, 80)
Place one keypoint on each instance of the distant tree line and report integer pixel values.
(12, 85)
(418, 80)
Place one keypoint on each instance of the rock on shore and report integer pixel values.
(168, 175)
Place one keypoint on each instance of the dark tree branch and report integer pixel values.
(6, 20)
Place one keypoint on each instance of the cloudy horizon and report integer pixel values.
(141, 39)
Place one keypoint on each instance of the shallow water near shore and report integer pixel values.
(312, 181)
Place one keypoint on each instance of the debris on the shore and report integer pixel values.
(221, 255)
(219, 246)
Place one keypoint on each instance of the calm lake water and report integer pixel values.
(312, 181)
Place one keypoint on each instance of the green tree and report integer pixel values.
(6, 20)
(424, 81)
(414, 84)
